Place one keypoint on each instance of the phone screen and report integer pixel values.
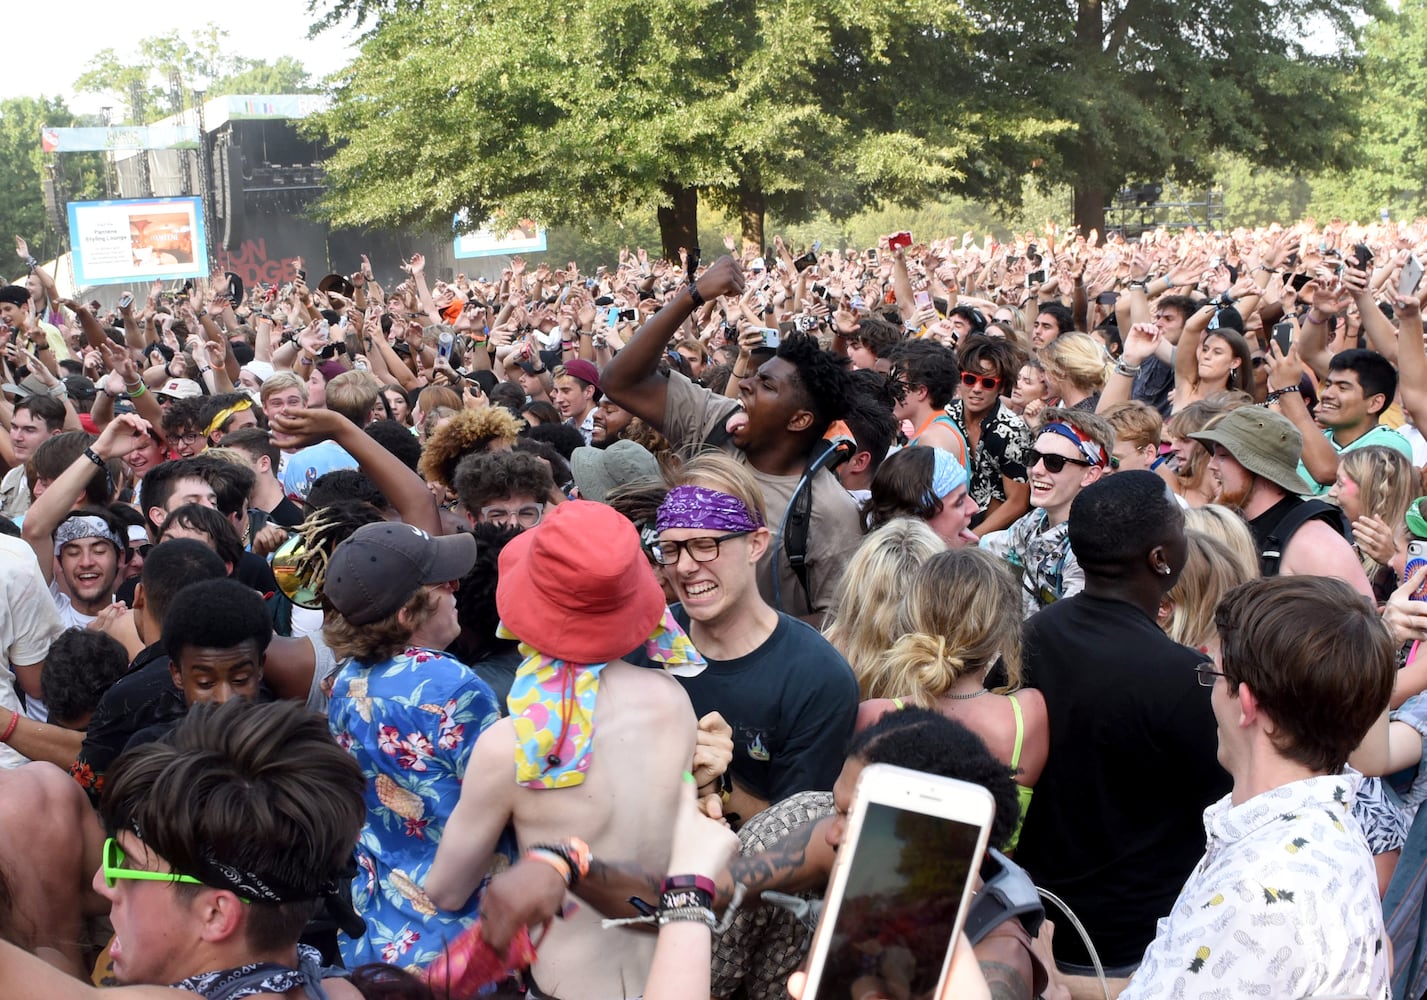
(895, 919)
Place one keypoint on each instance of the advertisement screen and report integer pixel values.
(496, 237)
(120, 241)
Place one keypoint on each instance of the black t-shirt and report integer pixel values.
(252, 570)
(145, 696)
(286, 513)
(792, 704)
(1116, 823)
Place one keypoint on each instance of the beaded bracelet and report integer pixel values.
(691, 914)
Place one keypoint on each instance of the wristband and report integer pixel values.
(93, 456)
(689, 914)
(10, 729)
(700, 882)
(554, 861)
(1313, 317)
(1273, 397)
(698, 299)
(1128, 370)
(1142, 284)
(136, 393)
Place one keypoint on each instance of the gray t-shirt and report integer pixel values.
(691, 413)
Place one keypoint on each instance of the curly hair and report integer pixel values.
(182, 415)
(822, 376)
(495, 475)
(475, 598)
(467, 432)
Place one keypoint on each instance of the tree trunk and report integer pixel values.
(1090, 176)
(751, 208)
(679, 220)
(1089, 206)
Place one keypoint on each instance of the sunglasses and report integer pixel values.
(114, 869)
(1053, 463)
(971, 380)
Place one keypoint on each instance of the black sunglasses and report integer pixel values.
(1053, 463)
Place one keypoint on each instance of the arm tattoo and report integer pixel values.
(783, 866)
(1005, 981)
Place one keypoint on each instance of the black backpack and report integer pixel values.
(1309, 510)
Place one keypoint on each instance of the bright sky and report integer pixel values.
(258, 28)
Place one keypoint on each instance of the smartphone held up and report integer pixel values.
(901, 886)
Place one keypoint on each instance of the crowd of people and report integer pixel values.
(309, 585)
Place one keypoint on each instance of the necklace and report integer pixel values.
(967, 697)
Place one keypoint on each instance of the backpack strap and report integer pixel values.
(1309, 510)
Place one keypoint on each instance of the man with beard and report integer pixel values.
(610, 421)
(1254, 465)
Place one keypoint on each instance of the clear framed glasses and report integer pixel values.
(526, 517)
(700, 550)
(1207, 674)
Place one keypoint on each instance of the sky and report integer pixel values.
(258, 28)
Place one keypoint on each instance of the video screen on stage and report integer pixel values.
(138, 239)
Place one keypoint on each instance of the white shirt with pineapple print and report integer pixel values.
(1284, 903)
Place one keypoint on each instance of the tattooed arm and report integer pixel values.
(799, 862)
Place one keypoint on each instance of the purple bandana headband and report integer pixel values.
(700, 507)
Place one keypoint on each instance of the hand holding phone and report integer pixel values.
(898, 897)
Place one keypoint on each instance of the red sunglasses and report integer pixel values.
(971, 380)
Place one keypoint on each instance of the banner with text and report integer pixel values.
(118, 241)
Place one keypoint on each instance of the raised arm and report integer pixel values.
(632, 377)
(404, 488)
(124, 434)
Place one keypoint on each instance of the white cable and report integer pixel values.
(1084, 936)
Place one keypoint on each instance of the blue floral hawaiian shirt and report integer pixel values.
(410, 722)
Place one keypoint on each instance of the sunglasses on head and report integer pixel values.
(972, 379)
(1053, 463)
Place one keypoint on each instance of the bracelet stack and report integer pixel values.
(571, 859)
(1273, 397)
(687, 898)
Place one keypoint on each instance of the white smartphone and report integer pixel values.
(900, 887)
(1411, 276)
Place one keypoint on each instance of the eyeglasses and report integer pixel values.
(1053, 463)
(527, 517)
(971, 380)
(114, 869)
(700, 550)
(1207, 674)
(188, 438)
(1259, 361)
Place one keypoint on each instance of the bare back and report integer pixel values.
(624, 809)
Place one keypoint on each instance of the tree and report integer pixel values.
(22, 169)
(1156, 87)
(159, 79)
(572, 110)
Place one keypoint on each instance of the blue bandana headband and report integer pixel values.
(948, 475)
(1093, 453)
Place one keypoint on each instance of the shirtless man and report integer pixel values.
(608, 771)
